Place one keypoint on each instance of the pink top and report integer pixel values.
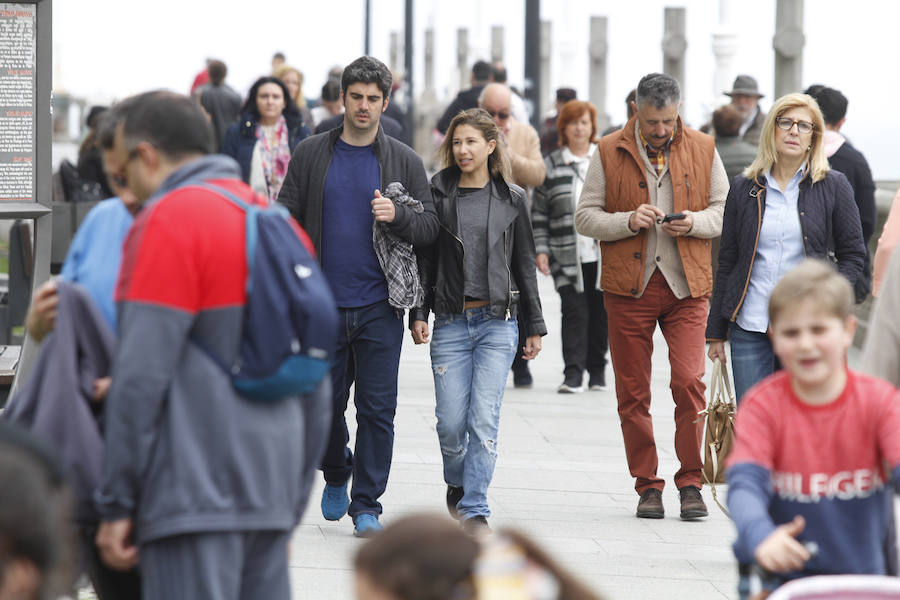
(890, 235)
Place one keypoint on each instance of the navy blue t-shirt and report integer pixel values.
(348, 256)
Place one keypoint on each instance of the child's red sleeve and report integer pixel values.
(889, 428)
(754, 433)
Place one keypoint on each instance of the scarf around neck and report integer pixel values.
(275, 157)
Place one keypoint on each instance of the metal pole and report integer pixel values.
(497, 43)
(462, 56)
(674, 45)
(598, 50)
(788, 44)
(546, 45)
(533, 59)
(408, 67)
(394, 51)
(368, 51)
(725, 45)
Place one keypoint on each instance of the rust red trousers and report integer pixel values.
(632, 322)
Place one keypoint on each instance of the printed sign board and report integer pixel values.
(17, 101)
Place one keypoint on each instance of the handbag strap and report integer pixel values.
(725, 381)
(712, 486)
(715, 382)
(720, 383)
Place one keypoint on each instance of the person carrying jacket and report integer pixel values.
(333, 189)
(656, 271)
(262, 141)
(787, 205)
(480, 281)
(200, 485)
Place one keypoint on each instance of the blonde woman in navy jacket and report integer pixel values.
(786, 206)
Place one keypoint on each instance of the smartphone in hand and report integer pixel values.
(670, 217)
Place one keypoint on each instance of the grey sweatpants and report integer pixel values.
(241, 565)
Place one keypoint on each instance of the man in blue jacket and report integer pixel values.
(333, 189)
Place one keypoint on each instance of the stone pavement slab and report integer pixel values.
(561, 477)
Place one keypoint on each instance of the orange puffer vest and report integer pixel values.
(690, 165)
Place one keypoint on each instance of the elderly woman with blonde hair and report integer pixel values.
(786, 206)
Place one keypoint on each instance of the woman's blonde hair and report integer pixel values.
(283, 70)
(768, 154)
(498, 163)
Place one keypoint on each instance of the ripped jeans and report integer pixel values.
(471, 354)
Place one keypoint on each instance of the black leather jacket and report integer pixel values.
(511, 262)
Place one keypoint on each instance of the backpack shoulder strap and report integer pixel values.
(231, 196)
(251, 211)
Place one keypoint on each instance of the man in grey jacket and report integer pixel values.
(200, 485)
(333, 189)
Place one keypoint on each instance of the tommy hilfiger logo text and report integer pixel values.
(843, 485)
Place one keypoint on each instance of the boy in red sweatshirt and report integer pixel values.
(816, 443)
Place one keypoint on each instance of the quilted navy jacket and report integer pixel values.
(829, 220)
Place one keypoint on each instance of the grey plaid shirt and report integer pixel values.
(397, 257)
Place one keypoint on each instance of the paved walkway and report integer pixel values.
(561, 477)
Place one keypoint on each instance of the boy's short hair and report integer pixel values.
(812, 280)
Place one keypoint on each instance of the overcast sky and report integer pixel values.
(108, 49)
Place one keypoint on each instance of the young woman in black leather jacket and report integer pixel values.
(479, 278)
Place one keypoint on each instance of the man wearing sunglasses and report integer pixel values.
(523, 147)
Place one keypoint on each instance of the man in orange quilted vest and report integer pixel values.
(653, 196)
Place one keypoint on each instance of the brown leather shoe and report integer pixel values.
(650, 505)
(692, 505)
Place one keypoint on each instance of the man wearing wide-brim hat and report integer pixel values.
(745, 97)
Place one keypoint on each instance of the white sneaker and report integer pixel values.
(569, 389)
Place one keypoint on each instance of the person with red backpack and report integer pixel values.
(202, 485)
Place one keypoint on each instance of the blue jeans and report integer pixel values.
(752, 359)
(367, 355)
(471, 354)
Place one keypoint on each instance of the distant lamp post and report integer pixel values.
(533, 59)
(368, 26)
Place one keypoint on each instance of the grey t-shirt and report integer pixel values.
(474, 206)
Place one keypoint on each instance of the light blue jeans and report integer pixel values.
(752, 359)
(471, 354)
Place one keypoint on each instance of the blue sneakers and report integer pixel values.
(367, 525)
(335, 501)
